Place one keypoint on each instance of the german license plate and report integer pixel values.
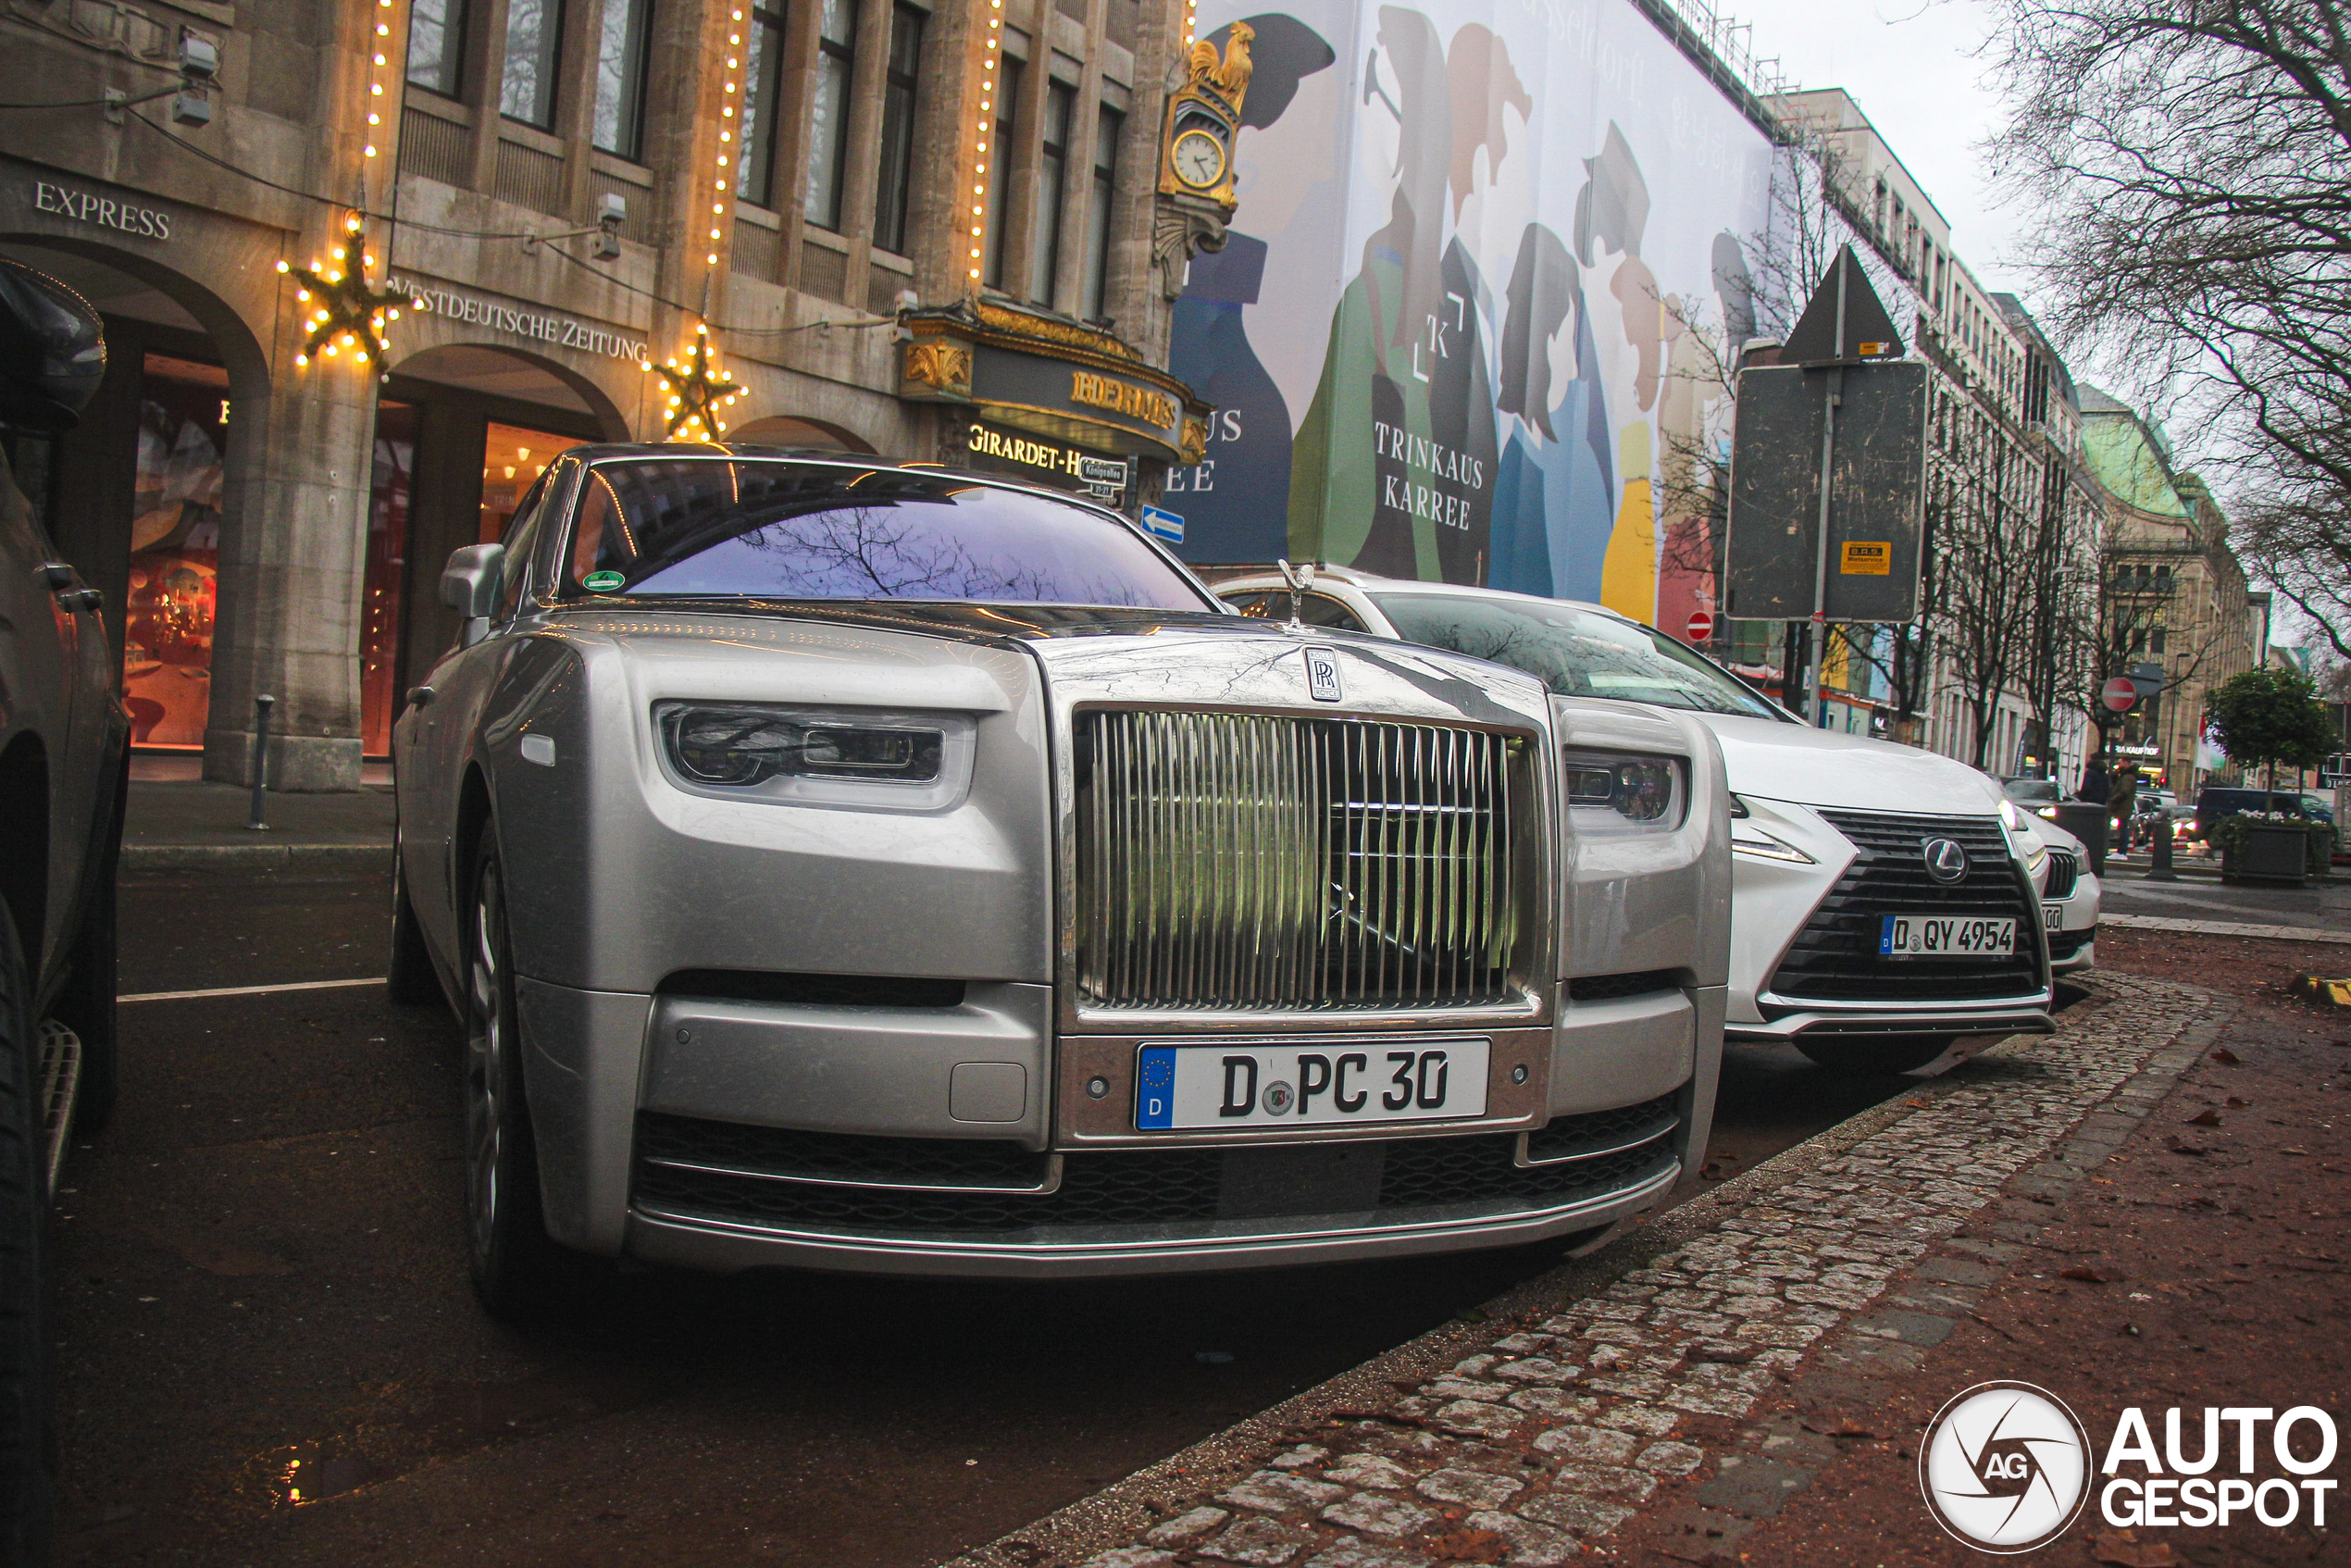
(1260, 1085)
(2053, 918)
(1944, 936)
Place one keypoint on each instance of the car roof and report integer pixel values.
(1221, 578)
(828, 456)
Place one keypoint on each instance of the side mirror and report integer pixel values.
(470, 585)
(53, 353)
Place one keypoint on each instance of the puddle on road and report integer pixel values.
(411, 1424)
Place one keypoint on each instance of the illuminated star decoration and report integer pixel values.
(698, 390)
(341, 313)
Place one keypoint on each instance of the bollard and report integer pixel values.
(261, 707)
(2160, 856)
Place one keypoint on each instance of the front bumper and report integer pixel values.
(1783, 1020)
(611, 1076)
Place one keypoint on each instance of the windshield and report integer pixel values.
(766, 527)
(1575, 653)
(2033, 790)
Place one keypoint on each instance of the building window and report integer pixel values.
(437, 46)
(620, 77)
(527, 86)
(829, 116)
(896, 174)
(762, 103)
(999, 151)
(1107, 125)
(1045, 246)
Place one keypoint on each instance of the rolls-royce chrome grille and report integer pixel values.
(1258, 862)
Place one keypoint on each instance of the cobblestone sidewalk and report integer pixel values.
(1568, 1414)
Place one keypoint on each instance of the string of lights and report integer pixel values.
(988, 84)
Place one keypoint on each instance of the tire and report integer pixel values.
(516, 1266)
(409, 980)
(1875, 1054)
(26, 1483)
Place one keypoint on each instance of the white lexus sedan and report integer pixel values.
(1885, 899)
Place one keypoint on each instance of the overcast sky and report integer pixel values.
(1913, 66)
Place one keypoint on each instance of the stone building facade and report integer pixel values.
(1991, 673)
(922, 228)
(2175, 595)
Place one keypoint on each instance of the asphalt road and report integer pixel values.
(269, 1355)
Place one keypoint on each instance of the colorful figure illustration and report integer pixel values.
(1519, 369)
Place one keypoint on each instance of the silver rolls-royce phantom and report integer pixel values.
(851, 865)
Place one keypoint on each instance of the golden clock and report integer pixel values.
(1198, 159)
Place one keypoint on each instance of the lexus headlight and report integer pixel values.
(1613, 793)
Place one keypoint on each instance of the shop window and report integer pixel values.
(1000, 153)
(1107, 125)
(527, 86)
(898, 129)
(391, 488)
(437, 46)
(512, 460)
(175, 550)
(1045, 250)
(763, 107)
(620, 77)
(828, 113)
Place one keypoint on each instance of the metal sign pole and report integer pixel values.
(1818, 713)
(1820, 709)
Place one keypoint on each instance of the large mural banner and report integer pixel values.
(1488, 264)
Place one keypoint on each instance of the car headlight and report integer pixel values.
(738, 745)
(1614, 792)
(2011, 817)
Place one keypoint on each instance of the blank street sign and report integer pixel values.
(1876, 497)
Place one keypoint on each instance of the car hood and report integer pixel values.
(1821, 767)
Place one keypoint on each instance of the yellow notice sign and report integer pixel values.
(1867, 557)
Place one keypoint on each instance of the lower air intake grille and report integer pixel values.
(1608, 987)
(1835, 957)
(1146, 1186)
(1253, 861)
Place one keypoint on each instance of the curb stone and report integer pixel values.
(355, 858)
(2224, 928)
(1575, 1396)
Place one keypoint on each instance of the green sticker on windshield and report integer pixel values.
(603, 582)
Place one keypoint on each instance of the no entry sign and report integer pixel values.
(2119, 693)
(1701, 626)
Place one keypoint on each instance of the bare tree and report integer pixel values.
(2192, 159)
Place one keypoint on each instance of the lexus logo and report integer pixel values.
(1945, 861)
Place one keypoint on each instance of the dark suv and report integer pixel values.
(62, 750)
(2215, 804)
